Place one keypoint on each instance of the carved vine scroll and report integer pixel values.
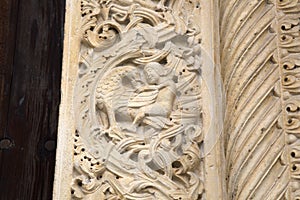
(289, 62)
(143, 99)
(138, 102)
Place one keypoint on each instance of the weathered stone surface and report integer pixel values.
(259, 56)
(138, 107)
(143, 101)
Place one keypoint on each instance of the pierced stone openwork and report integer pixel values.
(138, 102)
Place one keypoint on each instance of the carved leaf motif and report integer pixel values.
(138, 101)
(255, 140)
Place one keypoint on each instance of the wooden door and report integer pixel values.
(31, 38)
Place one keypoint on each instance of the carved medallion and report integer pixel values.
(138, 102)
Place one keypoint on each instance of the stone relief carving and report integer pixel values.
(260, 58)
(289, 62)
(138, 101)
(142, 111)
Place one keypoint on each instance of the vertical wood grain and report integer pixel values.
(31, 57)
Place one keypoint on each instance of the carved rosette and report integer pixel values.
(289, 59)
(137, 101)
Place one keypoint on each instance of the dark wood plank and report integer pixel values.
(27, 168)
(8, 29)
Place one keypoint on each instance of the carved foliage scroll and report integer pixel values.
(138, 101)
(289, 45)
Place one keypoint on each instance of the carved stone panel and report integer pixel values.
(147, 85)
(138, 102)
(137, 110)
